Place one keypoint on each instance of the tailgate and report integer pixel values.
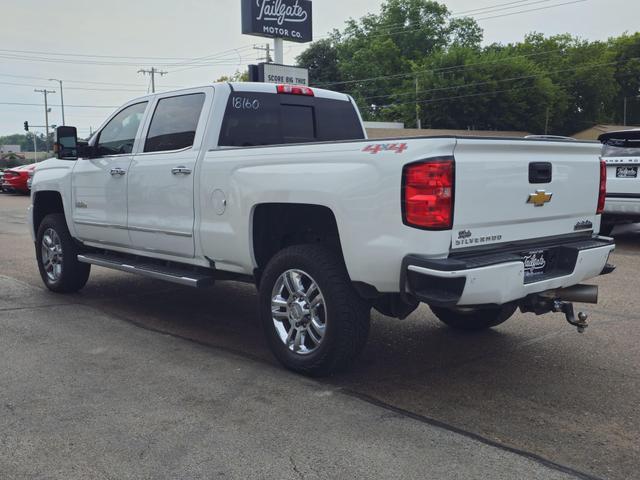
(503, 192)
(621, 153)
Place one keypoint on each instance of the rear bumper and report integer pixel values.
(15, 185)
(498, 278)
(622, 205)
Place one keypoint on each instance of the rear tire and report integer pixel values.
(320, 327)
(57, 256)
(474, 319)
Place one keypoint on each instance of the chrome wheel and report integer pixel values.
(51, 254)
(298, 311)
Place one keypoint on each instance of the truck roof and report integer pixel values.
(255, 87)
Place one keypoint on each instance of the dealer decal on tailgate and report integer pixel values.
(386, 147)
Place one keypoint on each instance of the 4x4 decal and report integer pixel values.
(385, 147)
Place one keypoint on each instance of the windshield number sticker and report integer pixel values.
(385, 147)
(242, 103)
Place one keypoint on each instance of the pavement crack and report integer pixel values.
(36, 307)
(474, 436)
(295, 467)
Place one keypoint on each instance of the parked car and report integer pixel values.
(16, 179)
(621, 153)
(31, 173)
(278, 185)
(1, 182)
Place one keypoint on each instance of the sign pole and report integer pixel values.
(278, 50)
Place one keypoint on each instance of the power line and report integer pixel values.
(54, 105)
(434, 70)
(522, 77)
(531, 10)
(155, 59)
(492, 6)
(479, 94)
(76, 88)
(24, 58)
(83, 82)
(402, 27)
(219, 58)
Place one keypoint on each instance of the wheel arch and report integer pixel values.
(45, 203)
(275, 226)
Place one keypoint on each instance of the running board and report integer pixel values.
(147, 268)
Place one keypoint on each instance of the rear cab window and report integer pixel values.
(254, 119)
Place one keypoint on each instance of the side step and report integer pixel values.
(188, 276)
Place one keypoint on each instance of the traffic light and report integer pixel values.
(26, 126)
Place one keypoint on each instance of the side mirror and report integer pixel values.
(66, 146)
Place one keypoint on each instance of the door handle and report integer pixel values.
(117, 171)
(181, 170)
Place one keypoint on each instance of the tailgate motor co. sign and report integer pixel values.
(286, 19)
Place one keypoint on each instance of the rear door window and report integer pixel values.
(174, 123)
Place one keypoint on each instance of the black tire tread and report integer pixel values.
(74, 273)
(349, 311)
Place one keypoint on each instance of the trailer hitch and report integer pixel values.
(567, 308)
(561, 301)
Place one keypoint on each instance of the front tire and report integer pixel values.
(474, 319)
(314, 320)
(57, 256)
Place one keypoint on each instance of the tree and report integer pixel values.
(365, 58)
(626, 54)
(321, 59)
(463, 88)
(236, 77)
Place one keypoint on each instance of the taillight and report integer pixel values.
(427, 194)
(295, 90)
(602, 194)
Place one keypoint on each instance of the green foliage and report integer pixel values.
(236, 77)
(321, 59)
(558, 84)
(25, 141)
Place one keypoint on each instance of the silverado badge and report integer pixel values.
(540, 198)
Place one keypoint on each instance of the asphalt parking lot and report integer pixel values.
(135, 378)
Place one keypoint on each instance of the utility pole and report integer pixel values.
(267, 48)
(418, 121)
(152, 72)
(46, 112)
(624, 115)
(278, 49)
(61, 97)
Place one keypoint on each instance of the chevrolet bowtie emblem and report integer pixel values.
(540, 198)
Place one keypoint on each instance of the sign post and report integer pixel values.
(281, 20)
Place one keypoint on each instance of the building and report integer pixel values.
(10, 149)
(594, 132)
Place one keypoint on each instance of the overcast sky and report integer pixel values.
(140, 33)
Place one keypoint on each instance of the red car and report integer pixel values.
(15, 179)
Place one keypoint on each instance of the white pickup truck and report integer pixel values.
(621, 153)
(279, 186)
